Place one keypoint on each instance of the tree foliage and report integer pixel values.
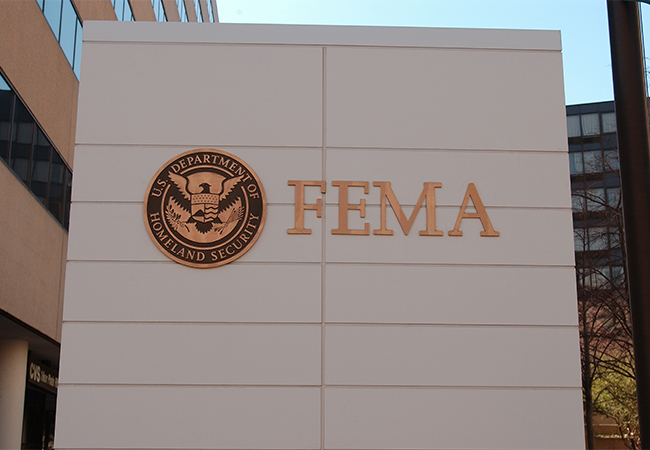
(616, 398)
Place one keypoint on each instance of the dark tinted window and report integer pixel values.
(21, 143)
(6, 108)
(66, 199)
(57, 186)
(32, 157)
(40, 166)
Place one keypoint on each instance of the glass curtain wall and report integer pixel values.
(66, 26)
(123, 10)
(182, 12)
(595, 186)
(159, 10)
(210, 11)
(197, 9)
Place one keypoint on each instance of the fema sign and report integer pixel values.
(400, 203)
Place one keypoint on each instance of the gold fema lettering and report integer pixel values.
(428, 192)
(344, 207)
(480, 214)
(387, 196)
(301, 206)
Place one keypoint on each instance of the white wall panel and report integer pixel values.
(325, 341)
(451, 356)
(157, 353)
(116, 232)
(453, 419)
(450, 294)
(170, 292)
(188, 417)
(110, 231)
(457, 38)
(169, 95)
(428, 98)
(527, 236)
(96, 169)
(282, 247)
(528, 179)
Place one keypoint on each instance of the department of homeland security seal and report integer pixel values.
(205, 208)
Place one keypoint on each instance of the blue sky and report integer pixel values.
(583, 23)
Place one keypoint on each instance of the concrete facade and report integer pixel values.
(320, 340)
(32, 244)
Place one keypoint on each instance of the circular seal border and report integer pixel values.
(217, 263)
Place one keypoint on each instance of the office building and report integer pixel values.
(606, 340)
(595, 185)
(39, 69)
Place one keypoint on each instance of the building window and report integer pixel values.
(609, 122)
(30, 155)
(6, 109)
(66, 26)
(614, 197)
(575, 163)
(599, 277)
(577, 203)
(40, 167)
(21, 141)
(618, 272)
(210, 11)
(197, 8)
(573, 126)
(611, 160)
(123, 10)
(590, 124)
(593, 161)
(596, 199)
(159, 10)
(579, 239)
(52, 12)
(182, 12)
(598, 238)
